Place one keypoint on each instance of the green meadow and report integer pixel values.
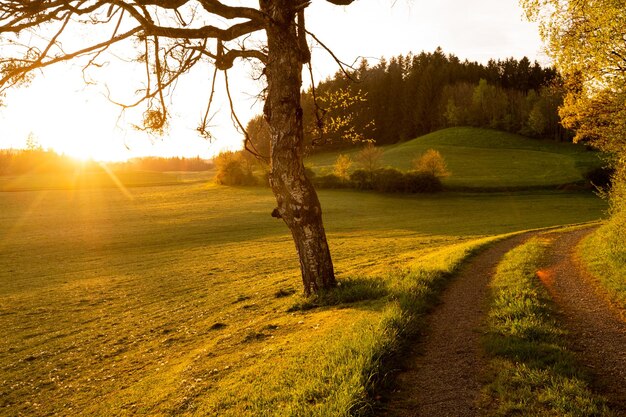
(101, 178)
(186, 299)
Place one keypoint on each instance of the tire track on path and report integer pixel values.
(441, 375)
(597, 334)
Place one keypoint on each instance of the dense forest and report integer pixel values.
(408, 96)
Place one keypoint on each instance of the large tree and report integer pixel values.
(173, 36)
(587, 41)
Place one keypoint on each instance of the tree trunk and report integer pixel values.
(298, 204)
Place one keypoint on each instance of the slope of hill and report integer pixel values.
(483, 158)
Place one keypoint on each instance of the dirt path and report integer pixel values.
(597, 334)
(441, 377)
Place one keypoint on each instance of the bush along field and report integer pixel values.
(532, 371)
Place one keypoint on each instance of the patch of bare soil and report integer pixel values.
(441, 374)
(597, 333)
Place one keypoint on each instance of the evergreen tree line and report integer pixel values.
(408, 96)
(31, 161)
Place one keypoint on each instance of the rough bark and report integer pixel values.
(298, 204)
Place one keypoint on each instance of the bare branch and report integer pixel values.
(247, 142)
(211, 6)
(202, 129)
(165, 4)
(117, 28)
(319, 118)
(173, 77)
(38, 64)
(228, 12)
(226, 61)
(341, 2)
(342, 65)
(204, 32)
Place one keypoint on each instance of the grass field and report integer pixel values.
(102, 178)
(179, 299)
(487, 158)
(606, 258)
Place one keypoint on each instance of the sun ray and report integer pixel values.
(23, 218)
(117, 181)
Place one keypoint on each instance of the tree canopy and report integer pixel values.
(586, 41)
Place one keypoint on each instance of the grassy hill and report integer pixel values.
(482, 158)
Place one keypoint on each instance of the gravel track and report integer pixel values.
(441, 375)
(597, 333)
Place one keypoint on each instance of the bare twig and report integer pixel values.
(319, 119)
(202, 129)
(342, 65)
(248, 145)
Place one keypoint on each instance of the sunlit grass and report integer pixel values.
(178, 301)
(605, 255)
(533, 373)
(100, 178)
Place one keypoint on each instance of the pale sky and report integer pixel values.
(70, 117)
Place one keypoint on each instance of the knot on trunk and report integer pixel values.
(276, 213)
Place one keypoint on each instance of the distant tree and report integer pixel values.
(32, 143)
(431, 163)
(342, 166)
(489, 105)
(368, 158)
(458, 98)
(537, 122)
(410, 95)
(161, 164)
(452, 113)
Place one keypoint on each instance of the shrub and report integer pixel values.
(388, 180)
(362, 180)
(233, 169)
(330, 181)
(342, 166)
(432, 163)
(417, 182)
(369, 157)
